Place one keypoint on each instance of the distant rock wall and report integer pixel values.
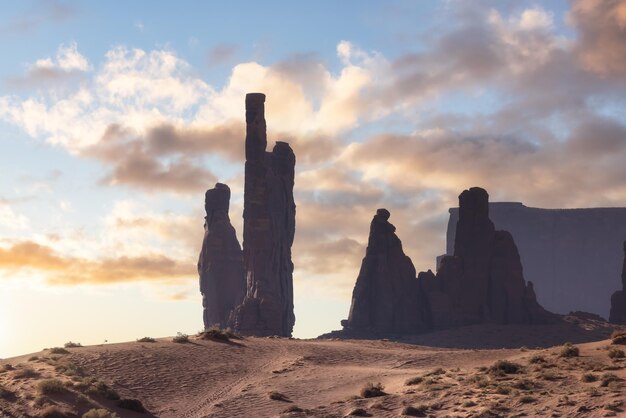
(618, 299)
(573, 256)
(269, 227)
(220, 265)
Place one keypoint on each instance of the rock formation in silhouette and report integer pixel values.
(384, 300)
(573, 256)
(269, 227)
(220, 265)
(618, 299)
(481, 283)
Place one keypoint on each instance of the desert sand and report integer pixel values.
(324, 377)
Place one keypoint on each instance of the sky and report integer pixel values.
(116, 117)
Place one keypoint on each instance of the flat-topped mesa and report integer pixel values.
(269, 227)
(483, 282)
(618, 299)
(220, 265)
(385, 296)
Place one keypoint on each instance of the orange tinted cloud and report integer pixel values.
(63, 270)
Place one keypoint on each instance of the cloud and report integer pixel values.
(507, 101)
(62, 270)
(222, 54)
(43, 11)
(68, 65)
(10, 219)
(601, 26)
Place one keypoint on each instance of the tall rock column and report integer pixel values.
(220, 265)
(618, 299)
(269, 226)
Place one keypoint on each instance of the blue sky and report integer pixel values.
(115, 117)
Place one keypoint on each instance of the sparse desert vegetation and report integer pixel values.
(372, 390)
(181, 338)
(327, 378)
(569, 350)
(146, 340)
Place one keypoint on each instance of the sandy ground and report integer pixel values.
(324, 378)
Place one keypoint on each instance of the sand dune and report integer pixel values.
(323, 378)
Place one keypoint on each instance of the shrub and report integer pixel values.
(51, 387)
(616, 353)
(527, 399)
(103, 390)
(537, 359)
(100, 413)
(214, 333)
(131, 405)
(569, 350)
(33, 358)
(25, 373)
(5, 393)
(371, 390)
(358, 412)
(146, 340)
(181, 338)
(70, 344)
(413, 411)
(414, 381)
(69, 368)
(523, 384)
(505, 366)
(436, 372)
(589, 377)
(53, 412)
(608, 378)
(7, 367)
(277, 396)
(58, 350)
(619, 337)
(503, 390)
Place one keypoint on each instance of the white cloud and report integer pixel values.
(12, 220)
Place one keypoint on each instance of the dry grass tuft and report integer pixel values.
(51, 387)
(568, 350)
(181, 338)
(372, 390)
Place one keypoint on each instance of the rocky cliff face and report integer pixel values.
(220, 265)
(269, 227)
(618, 299)
(384, 300)
(573, 256)
(482, 282)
